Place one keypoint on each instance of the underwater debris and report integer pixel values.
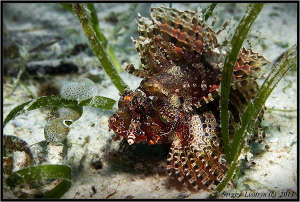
(178, 99)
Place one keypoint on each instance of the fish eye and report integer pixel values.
(140, 106)
(140, 109)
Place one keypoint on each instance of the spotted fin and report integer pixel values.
(186, 30)
(153, 57)
(198, 160)
(248, 65)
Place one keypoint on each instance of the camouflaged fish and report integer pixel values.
(178, 99)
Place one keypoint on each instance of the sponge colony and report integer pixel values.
(79, 91)
(57, 130)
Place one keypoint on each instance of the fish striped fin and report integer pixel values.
(198, 160)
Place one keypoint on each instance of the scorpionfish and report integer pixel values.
(178, 99)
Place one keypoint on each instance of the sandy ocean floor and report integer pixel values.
(99, 171)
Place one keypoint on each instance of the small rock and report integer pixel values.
(129, 197)
(183, 195)
(97, 164)
(94, 189)
(51, 67)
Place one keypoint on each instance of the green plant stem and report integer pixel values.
(122, 23)
(42, 172)
(125, 19)
(283, 110)
(236, 43)
(207, 12)
(98, 47)
(228, 176)
(287, 87)
(27, 89)
(96, 26)
(20, 73)
(114, 60)
(95, 23)
(67, 6)
(253, 110)
(57, 101)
